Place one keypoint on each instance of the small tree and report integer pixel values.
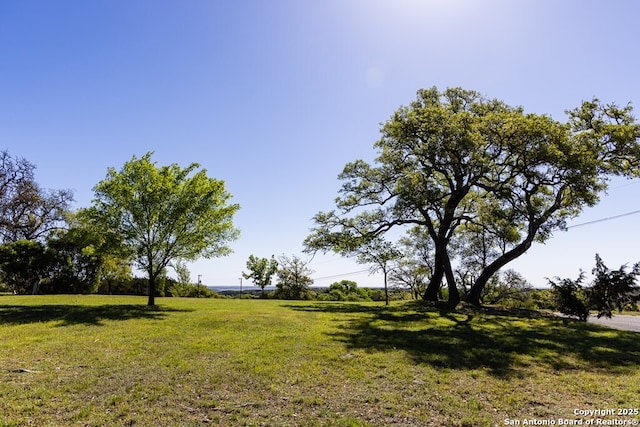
(115, 269)
(414, 266)
(293, 278)
(261, 271)
(165, 213)
(380, 254)
(367, 248)
(182, 286)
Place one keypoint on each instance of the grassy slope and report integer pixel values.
(95, 360)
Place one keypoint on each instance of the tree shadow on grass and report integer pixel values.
(79, 314)
(503, 342)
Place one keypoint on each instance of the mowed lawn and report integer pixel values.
(111, 361)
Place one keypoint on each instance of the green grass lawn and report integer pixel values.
(109, 361)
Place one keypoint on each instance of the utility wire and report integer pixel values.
(604, 219)
(340, 275)
(571, 226)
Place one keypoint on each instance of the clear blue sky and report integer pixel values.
(275, 97)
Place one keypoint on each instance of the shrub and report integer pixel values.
(543, 299)
(613, 289)
(347, 290)
(610, 290)
(569, 297)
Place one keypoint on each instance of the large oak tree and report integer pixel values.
(165, 213)
(464, 167)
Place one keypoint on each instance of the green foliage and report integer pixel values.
(125, 285)
(113, 257)
(367, 249)
(293, 279)
(165, 213)
(181, 287)
(570, 298)
(610, 290)
(414, 265)
(261, 271)
(337, 293)
(613, 289)
(24, 265)
(509, 289)
(378, 295)
(347, 290)
(203, 291)
(542, 299)
(184, 275)
(176, 289)
(79, 261)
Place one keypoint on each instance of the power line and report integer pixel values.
(632, 182)
(604, 219)
(340, 275)
(571, 226)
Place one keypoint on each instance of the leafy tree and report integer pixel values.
(165, 213)
(261, 271)
(184, 275)
(367, 249)
(381, 255)
(77, 264)
(347, 290)
(414, 266)
(406, 273)
(115, 269)
(103, 247)
(542, 299)
(24, 265)
(293, 278)
(27, 212)
(182, 286)
(469, 170)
